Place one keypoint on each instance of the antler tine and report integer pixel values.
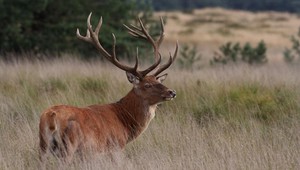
(149, 38)
(152, 67)
(87, 38)
(93, 38)
(135, 31)
(168, 64)
(97, 30)
(136, 58)
(115, 61)
(162, 33)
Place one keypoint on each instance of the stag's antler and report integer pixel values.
(93, 38)
(143, 33)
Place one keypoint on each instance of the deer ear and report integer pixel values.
(162, 77)
(132, 78)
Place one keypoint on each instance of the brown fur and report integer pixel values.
(65, 130)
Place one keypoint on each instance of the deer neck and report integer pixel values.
(135, 113)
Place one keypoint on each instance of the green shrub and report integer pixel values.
(254, 55)
(229, 52)
(188, 57)
(233, 52)
(290, 54)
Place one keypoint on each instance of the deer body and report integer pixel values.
(102, 127)
(65, 129)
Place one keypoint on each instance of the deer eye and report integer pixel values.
(147, 85)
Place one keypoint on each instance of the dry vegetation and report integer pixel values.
(225, 118)
(234, 117)
(211, 27)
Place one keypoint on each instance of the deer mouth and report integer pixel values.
(170, 96)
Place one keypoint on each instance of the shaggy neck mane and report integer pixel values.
(135, 114)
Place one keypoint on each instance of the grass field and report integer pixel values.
(228, 117)
(223, 118)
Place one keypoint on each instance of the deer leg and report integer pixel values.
(72, 139)
(45, 147)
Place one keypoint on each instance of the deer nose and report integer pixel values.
(172, 93)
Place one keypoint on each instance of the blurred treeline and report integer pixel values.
(250, 5)
(48, 27)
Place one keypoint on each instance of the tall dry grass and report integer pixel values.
(235, 117)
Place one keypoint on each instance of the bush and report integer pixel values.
(188, 57)
(290, 54)
(230, 52)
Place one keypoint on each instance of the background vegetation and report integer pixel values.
(243, 115)
(237, 117)
(252, 5)
(293, 53)
(49, 26)
(234, 53)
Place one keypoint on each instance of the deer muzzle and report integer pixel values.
(170, 94)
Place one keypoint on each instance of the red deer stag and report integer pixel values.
(65, 129)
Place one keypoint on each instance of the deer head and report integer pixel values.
(148, 86)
